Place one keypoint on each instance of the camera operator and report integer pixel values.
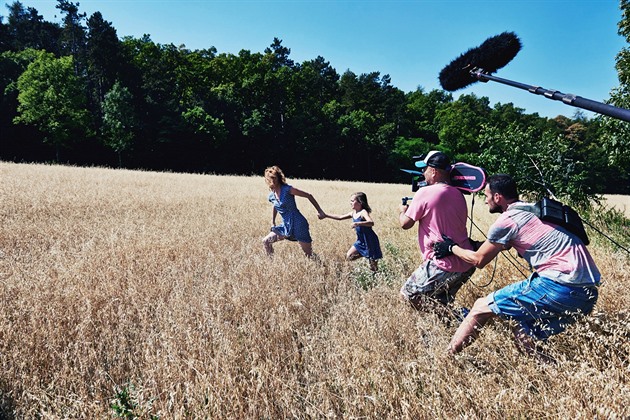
(563, 287)
(440, 209)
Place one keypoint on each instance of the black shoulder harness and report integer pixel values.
(553, 211)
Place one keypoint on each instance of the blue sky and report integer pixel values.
(568, 45)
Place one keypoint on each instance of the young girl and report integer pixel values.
(294, 225)
(367, 244)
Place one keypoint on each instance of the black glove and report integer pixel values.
(443, 249)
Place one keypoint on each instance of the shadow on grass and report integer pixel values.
(7, 405)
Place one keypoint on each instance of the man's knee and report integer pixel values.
(402, 295)
(481, 306)
(480, 313)
(417, 301)
(412, 300)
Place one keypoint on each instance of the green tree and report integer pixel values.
(204, 128)
(73, 35)
(119, 121)
(372, 113)
(4, 35)
(225, 71)
(103, 56)
(12, 65)
(26, 28)
(203, 123)
(460, 123)
(16, 140)
(312, 86)
(504, 115)
(540, 165)
(420, 119)
(52, 99)
(278, 69)
(402, 155)
(616, 133)
(153, 82)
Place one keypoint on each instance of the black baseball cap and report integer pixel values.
(434, 159)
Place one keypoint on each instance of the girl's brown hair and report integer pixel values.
(362, 198)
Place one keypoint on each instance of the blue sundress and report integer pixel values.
(294, 225)
(367, 243)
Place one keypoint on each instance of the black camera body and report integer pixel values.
(466, 178)
(418, 182)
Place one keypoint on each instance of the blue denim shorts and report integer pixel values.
(542, 306)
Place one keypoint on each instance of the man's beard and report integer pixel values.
(494, 208)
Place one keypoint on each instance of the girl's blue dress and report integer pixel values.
(367, 243)
(294, 225)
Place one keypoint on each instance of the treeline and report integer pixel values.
(74, 92)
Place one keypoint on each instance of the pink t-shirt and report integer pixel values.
(440, 209)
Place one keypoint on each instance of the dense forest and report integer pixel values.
(74, 92)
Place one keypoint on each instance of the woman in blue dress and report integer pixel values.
(367, 244)
(294, 226)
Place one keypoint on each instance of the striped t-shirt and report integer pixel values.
(551, 250)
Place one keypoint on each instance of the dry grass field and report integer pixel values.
(619, 202)
(148, 295)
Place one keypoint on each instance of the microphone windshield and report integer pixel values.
(490, 56)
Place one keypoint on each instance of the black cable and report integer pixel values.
(544, 184)
(511, 259)
(472, 206)
(514, 261)
(605, 236)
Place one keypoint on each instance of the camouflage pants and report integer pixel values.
(430, 281)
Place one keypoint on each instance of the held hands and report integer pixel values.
(321, 215)
(445, 248)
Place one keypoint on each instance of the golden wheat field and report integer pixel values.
(148, 295)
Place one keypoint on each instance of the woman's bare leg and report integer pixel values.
(268, 240)
(307, 247)
(352, 254)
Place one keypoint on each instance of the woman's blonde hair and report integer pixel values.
(274, 172)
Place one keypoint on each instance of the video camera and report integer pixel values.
(465, 177)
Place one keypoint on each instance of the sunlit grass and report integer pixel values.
(149, 294)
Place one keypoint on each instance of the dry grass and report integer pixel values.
(155, 287)
(619, 202)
